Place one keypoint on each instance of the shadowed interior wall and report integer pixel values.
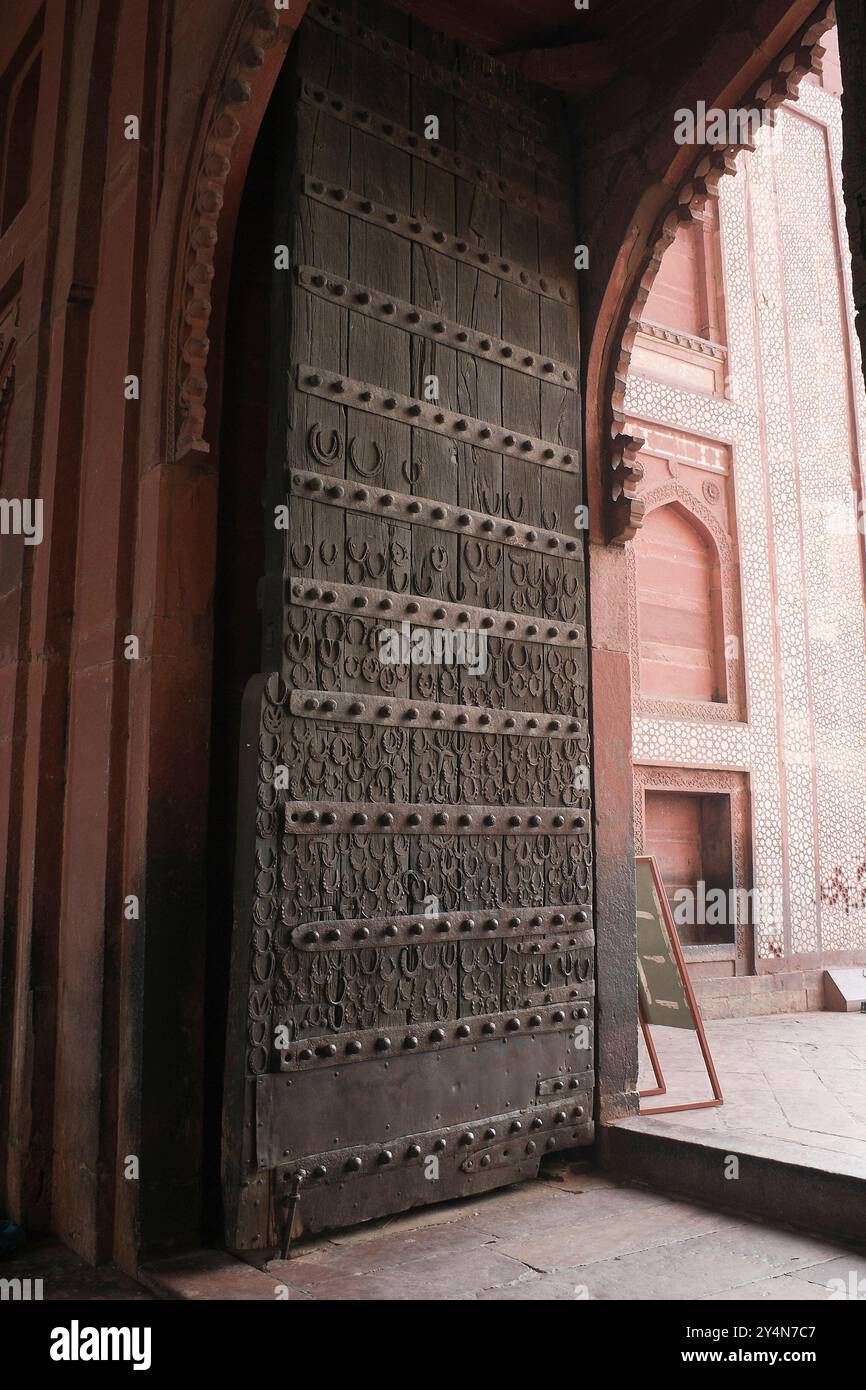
(237, 598)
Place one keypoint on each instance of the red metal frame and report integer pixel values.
(673, 935)
(659, 1089)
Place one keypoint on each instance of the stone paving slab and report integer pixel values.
(211, 1275)
(550, 1221)
(776, 1145)
(852, 1262)
(535, 1289)
(690, 1269)
(585, 1237)
(625, 1232)
(797, 1079)
(390, 1250)
(437, 1279)
(781, 1289)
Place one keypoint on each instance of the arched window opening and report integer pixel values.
(679, 610)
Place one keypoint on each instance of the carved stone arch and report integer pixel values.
(617, 461)
(249, 64)
(732, 708)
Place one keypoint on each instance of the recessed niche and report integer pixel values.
(690, 835)
(680, 619)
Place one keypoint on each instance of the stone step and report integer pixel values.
(779, 1180)
(740, 996)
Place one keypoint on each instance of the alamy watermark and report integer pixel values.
(853, 1288)
(20, 1290)
(421, 646)
(702, 125)
(713, 907)
(77, 1343)
(22, 516)
(843, 518)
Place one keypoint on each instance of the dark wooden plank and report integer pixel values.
(524, 861)
(378, 353)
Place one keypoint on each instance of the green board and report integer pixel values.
(660, 984)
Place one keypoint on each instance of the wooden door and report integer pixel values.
(413, 954)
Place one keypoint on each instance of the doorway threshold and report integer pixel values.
(780, 1180)
(789, 1142)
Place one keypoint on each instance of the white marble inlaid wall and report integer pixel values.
(795, 402)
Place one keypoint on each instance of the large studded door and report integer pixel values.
(412, 1003)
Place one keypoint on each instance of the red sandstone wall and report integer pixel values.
(765, 429)
(100, 1019)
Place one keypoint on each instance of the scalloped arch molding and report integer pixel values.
(249, 69)
(623, 470)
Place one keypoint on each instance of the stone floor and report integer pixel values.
(796, 1079)
(573, 1234)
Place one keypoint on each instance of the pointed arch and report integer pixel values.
(250, 62)
(715, 689)
(613, 463)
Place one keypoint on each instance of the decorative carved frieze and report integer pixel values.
(257, 32)
(626, 476)
(682, 339)
(781, 83)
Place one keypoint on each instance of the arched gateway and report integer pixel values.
(412, 982)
